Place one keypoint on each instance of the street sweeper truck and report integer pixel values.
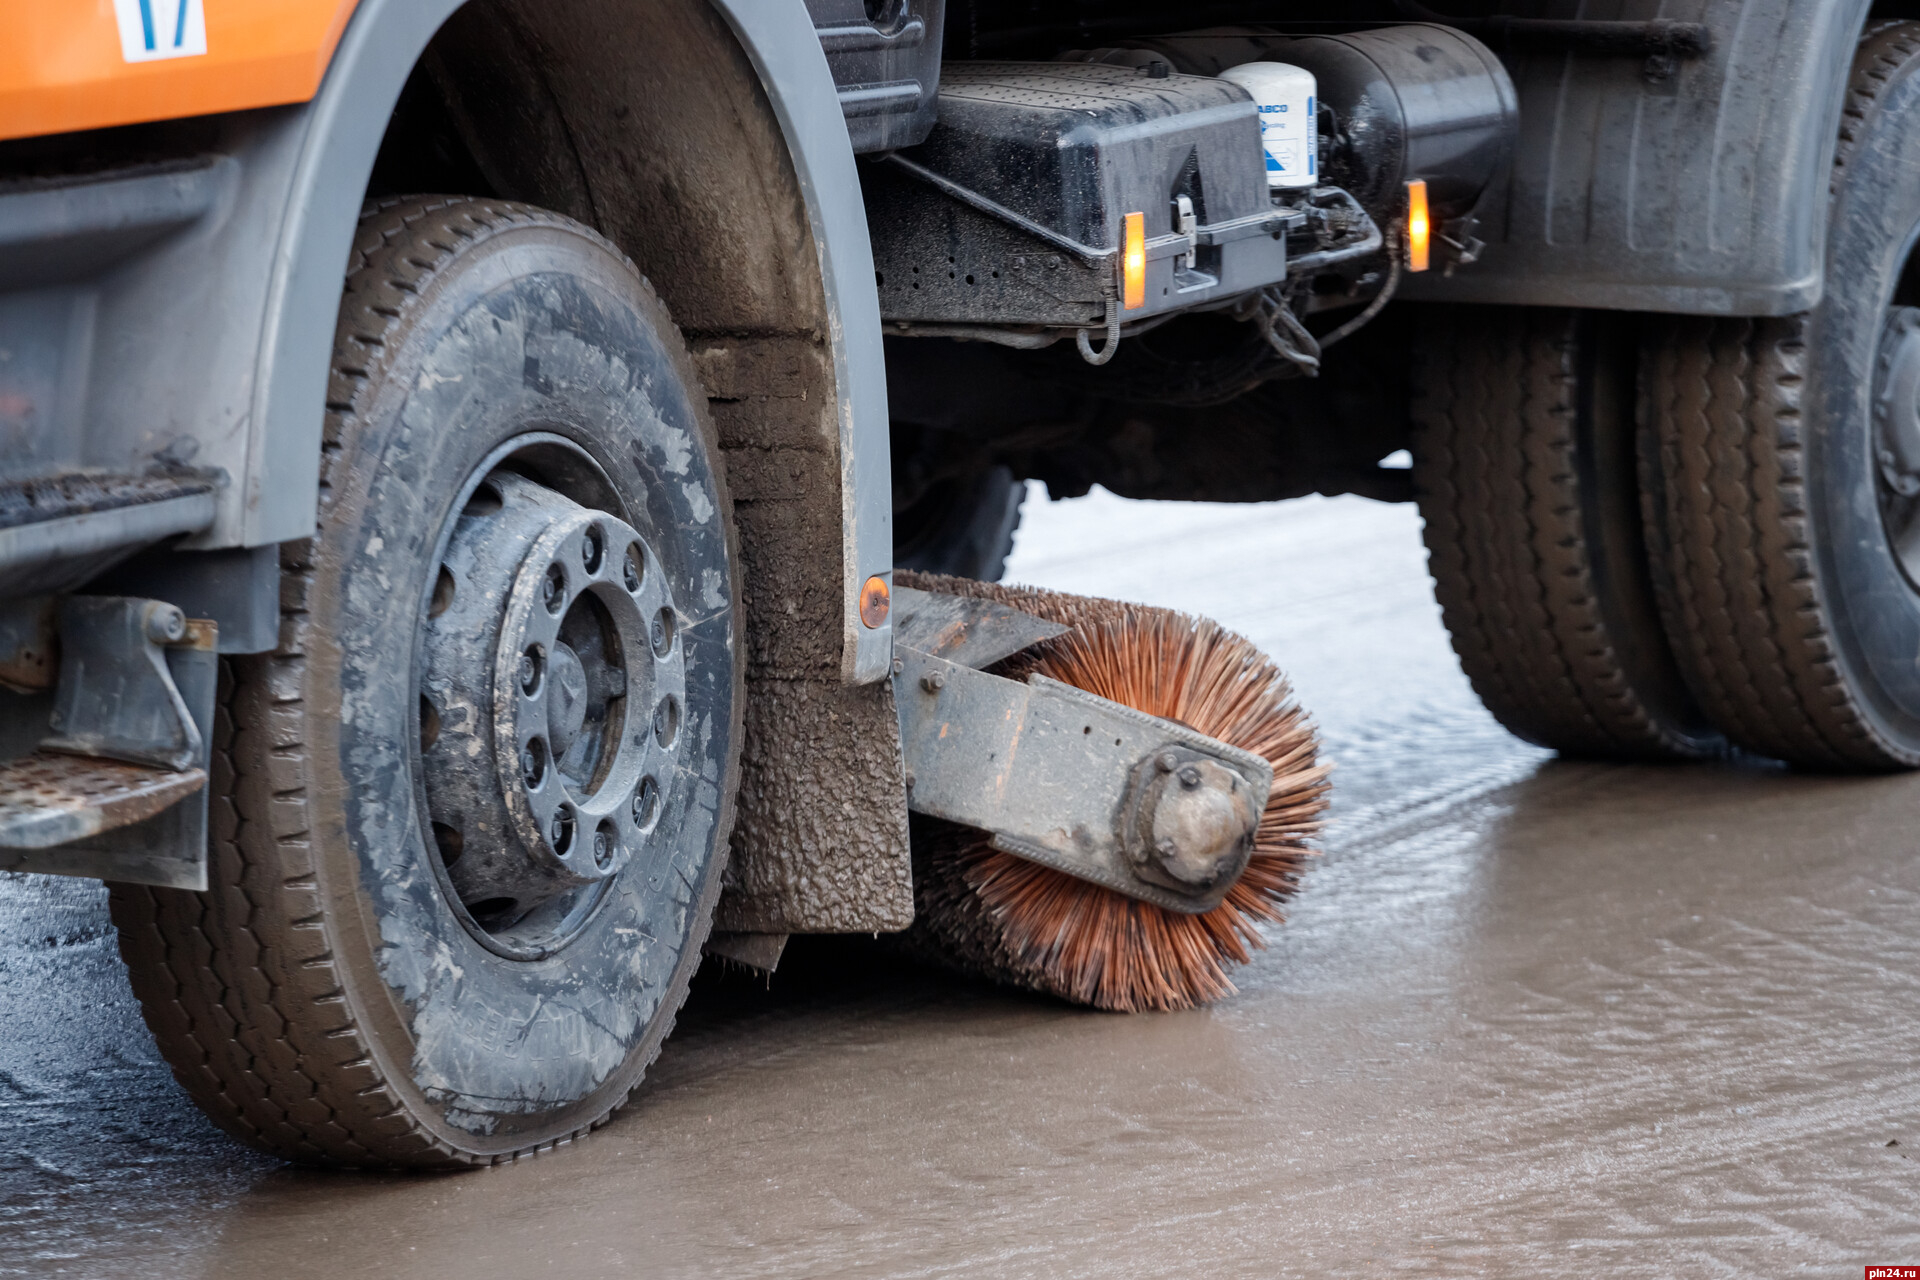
(499, 499)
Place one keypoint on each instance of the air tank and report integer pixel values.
(1414, 101)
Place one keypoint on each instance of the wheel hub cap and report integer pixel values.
(552, 673)
(1896, 435)
(1896, 403)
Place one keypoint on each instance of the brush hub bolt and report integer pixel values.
(934, 681)
(1193, 823)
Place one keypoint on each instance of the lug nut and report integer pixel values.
(553, 591)
(530, 672)
(591, 548)
(560, 832)
(646, 798)
(533, 764)
(630, 569)
(602, 850)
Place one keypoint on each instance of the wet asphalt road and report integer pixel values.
(1529, 1018)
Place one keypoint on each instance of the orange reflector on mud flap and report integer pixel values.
(1419, 227)
(1133, 263)
(876, 602)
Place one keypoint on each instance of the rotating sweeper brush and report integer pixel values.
(1111, 810)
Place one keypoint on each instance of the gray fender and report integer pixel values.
(313, 163)
(780, 41)
(1704, 192)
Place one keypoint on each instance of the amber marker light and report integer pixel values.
(876, 601)
(1133, 263)
(1419, 226)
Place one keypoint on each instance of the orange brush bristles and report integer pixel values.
(1098, 947)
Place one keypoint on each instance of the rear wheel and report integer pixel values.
(471, 813)
(1524, 467)
(1788, 461)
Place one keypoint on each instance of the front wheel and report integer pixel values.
(471, 814)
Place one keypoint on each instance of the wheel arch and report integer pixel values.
(708, 143)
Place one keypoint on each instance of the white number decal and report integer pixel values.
(154, 29)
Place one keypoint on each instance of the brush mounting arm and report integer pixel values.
(1100, 791)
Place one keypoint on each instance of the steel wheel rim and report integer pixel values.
(607, 772)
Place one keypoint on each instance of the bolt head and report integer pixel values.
(1165, 762)
(933, 681)
(553, 590)
(1190, 777)
(165, 624)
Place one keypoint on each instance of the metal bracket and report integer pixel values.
(973, 633)
(1266, 222)
(118, 791)
(1187, 224)
(117, 697)
(1055, 774)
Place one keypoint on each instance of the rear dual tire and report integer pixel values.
(1524, 466)
(1786, 454)
(1778, 531)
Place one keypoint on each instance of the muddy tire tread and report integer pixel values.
(1746, 616)
(1494, 440)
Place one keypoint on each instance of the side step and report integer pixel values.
(83, 816)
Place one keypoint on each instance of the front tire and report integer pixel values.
(1781, 450)
(403, 959)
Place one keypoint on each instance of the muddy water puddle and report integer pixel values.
(1529, 1018)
